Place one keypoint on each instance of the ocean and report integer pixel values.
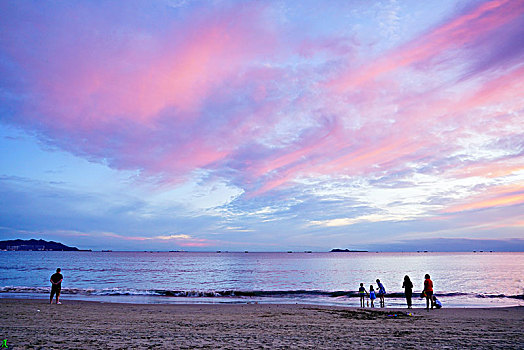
(482, 279)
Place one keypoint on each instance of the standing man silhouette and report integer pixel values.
(56, 280)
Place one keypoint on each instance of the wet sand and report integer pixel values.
(95, 325)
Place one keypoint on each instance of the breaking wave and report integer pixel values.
(230, 293)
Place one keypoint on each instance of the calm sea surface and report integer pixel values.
(460, 279)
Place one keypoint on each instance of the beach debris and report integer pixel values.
(401, 314)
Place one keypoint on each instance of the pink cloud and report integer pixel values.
(493, 169)
(494, 198)
(139, 99)
(454, 34)
(136, 82)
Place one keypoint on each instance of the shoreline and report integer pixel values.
(33, 323)
(387, 308)
(396, 302)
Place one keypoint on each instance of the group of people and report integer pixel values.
(408, 292)
(380, 293)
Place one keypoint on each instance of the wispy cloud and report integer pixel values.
(494, 198)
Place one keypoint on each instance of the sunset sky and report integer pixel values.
(263, 125)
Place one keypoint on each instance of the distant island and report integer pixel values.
(336, 250)
(35, 245)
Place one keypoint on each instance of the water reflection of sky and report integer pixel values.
(481, 273)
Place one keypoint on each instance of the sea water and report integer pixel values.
(482, 279)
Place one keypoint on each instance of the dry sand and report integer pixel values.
(94, 325)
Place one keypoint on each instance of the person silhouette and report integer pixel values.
(408, 290)
(381, 292)
(428, 291)
(56, 280)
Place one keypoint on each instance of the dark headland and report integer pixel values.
(33, 244)
(337, 250)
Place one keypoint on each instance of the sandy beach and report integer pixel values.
(34, 324)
